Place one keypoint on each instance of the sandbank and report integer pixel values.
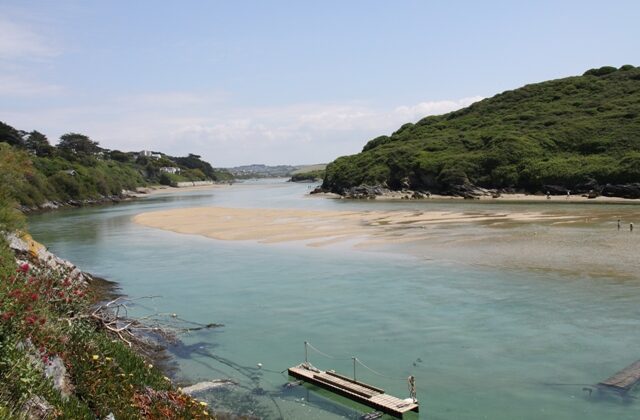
(555, 239)
(317, 227)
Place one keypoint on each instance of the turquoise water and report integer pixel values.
(482, 342)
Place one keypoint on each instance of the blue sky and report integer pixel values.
(284, 81)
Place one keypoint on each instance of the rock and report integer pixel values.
(622, 190)
(49, 205)
(364, 192)
(110, 416)
(53, 369)
(468, 191)
(554, 189)
(206, 386)
(57, 372)
(25, 247)
(586, 187)
(36, 408)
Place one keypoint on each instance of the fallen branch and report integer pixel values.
(146, 331)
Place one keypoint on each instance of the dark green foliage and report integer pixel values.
(565, 132)
(10, 135)
(77, 145)
(601, 71)
(78, 169)
(120, 156)
(194, 162)
(308, 176)
(38, 144)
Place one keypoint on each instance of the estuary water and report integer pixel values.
(484, 340)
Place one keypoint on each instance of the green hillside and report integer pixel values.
(77, 170)
(578, 133)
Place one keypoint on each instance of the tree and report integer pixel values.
(74, 144)
(120, 156)
(10, 135)
(194, 162)
(39, 144)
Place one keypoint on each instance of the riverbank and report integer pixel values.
(504, 197)
(58, 356)
(125, 196)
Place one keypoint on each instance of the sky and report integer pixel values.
(284, 82)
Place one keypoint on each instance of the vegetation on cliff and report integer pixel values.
(78, 169)
(55, 359)
(310, 176)
(575, 133)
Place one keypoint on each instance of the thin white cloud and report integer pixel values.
(297, 133)
(17, 41)
(434, 107)
(19, 86)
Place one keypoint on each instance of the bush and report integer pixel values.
(602, 71)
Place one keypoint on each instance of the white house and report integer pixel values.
(148, 153)
(170, 170)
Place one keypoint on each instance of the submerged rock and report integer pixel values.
(206, 386)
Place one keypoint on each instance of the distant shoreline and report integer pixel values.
(127, 196)
(531, 198)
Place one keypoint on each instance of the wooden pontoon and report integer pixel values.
(624, 380)
(368, 395)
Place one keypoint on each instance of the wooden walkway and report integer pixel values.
(354, 390)
(624, 380)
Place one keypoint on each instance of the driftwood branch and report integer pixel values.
(113, 316)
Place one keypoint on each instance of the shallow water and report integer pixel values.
(492, 340)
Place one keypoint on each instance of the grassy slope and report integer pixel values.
(44, 317)
(560, 132)
(94, 177)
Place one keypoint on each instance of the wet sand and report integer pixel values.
(275, 225)
(556, 240)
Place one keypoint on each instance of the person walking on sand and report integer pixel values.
(618, 224)
(568, 194)
(631, 227)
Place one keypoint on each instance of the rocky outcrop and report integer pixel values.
(589, 189)
(365, 192)
(27, 249)
(469, 191)
(107, 199)
(622, 190)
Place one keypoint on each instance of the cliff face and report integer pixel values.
(579, 133)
